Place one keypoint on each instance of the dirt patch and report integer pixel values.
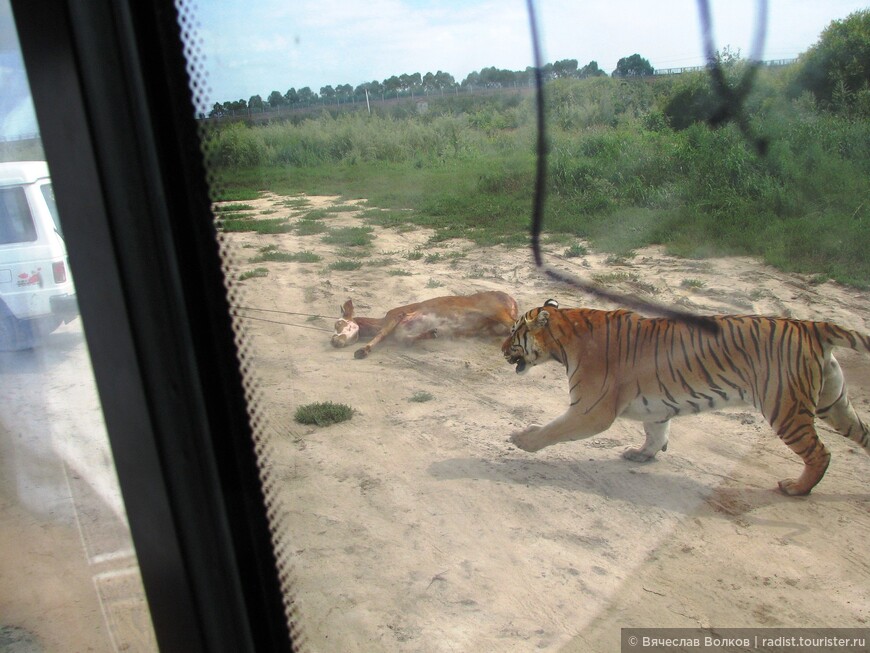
(415, 526)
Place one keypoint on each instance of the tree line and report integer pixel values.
(417, 85)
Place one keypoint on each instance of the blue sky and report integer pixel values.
(258, 46)
(253, 47)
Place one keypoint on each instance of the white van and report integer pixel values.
(37, 294)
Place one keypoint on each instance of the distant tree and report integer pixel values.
(836, 70)
(591, 70)
(344, 92)
(392, 85)
(255, 102)
(306, 95)
(411, 83)
(633, 66)
(276, 99)
(565, 68)
(472, 79)
(291, 97)
(327, 92)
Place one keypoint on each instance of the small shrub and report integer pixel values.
(575, 251)
(692, 283)
(323, 413)
(421, 397)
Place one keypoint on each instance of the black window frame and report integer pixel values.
(116, 115)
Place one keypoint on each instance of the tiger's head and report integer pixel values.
(527, 344)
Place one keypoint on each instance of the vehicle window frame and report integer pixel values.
(130, 186)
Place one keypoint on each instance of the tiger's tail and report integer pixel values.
(839, 412)
(836, 336)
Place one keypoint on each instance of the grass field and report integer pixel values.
(618, 174)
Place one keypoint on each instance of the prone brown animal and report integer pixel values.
(490, 313)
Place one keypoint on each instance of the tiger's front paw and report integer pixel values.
(638, 455)
(528, 439)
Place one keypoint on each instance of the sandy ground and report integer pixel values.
(69, 579)
(416, 526)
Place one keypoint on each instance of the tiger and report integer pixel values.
(621, 364)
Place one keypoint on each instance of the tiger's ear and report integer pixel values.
(551, 302)
(541, 320)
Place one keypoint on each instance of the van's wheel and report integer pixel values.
(15, 334)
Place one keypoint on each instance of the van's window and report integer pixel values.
(16, 223)
(48, 194)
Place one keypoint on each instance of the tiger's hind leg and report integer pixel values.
(799, 434)
(835, 408)
(656, 440)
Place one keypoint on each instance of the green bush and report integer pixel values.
(323, 413)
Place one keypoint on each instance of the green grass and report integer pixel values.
(265, 226)
(345, 266)
(323, 413)
(253, 274)
(309, 227)
(575, 250)
(618, 176)
(276, 256)
(349, 236)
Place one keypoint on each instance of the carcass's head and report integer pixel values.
(346, 330)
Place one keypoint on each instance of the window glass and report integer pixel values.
(369, 157)
(47, 191)
(16, 223)
(69, 578)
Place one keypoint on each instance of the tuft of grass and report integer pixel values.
(316, 214)
(275, 256)
(342, 208)
(296, 203)
(576, 250)
(400, 273)
(421, 397)
(434, 283)
(307, 227)
(323, 413)
(253, 274)
(345, 266)
(267, 226)
(416, 255)
(349, 236)
(226, 208)
(692, 283)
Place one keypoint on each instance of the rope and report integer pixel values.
(272, 310)
(268, 310)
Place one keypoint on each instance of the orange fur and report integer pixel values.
(490, 313)
(653, 369)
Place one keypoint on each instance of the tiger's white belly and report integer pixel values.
(659, 409)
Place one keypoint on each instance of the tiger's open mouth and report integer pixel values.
(519, 361)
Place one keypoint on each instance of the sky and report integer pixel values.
(254, 47)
